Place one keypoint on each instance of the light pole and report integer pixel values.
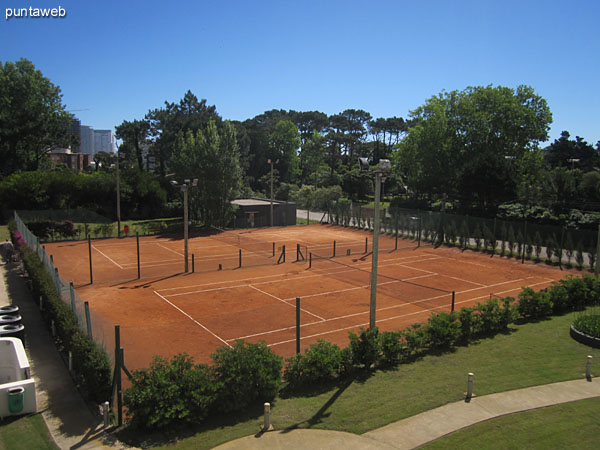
(270, 161)
(573, 161)
(118, 197)
(185, 188)
(384, 168)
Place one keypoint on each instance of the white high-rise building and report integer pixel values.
(86, 138)
(104, 141)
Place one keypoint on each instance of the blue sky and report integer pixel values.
(119, 59)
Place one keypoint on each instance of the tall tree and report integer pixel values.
(134, 135)
(166, 123)
(33, 119)
(575, 154)
(284, 142)
(475, 135)
(212, 156)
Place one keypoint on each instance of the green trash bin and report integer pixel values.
(15, 399)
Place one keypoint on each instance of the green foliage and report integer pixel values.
(320, 363)
(578, 293)
(365, 348)
(468, 324)
(212, 156)
(443, 331)
(534, 305)
(493, 316)
(32, 115)
(393, 348)
(170, 393)
(91, 364)
(416, 339)
(558, 296)
(493, 122)
(244, 374)
(588, 324)
(92, 367)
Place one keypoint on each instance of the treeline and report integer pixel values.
(475, 151)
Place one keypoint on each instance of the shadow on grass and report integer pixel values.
(322, 412)
(146, 438)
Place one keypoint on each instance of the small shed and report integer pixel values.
(256, 212)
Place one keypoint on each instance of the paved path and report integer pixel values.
(69, 420)
(73, 426)
(425, 427)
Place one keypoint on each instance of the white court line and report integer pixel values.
(112, 261)
(301, 277)
(386, 319)
(285, 303)
(167, 248)
(192, 319)
(208, 290)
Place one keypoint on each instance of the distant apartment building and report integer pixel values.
(92, 141)
(86, 138)
(104, 141)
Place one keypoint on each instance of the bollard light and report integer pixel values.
(105, 406)
(588, 368)
(267, 425)
(469, 387)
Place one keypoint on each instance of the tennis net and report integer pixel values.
(263, 248)
(405, 290)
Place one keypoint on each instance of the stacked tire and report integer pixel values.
(10, 322)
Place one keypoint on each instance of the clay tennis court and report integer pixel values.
(167, 311)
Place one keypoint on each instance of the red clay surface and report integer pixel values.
(168, 312)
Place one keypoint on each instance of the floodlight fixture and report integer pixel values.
(195, 182)
(363, 163)
(385, 165)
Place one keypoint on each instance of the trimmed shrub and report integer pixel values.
(443, 331)
(168, 393)
(244, 374)
(91, 364)
(393, 348)
(534, 305)
(319, 364)
(416, 339)
(468, 324)
(559, 297)
(577, 292)
(493, 316)
(365, 348)
(92, 368)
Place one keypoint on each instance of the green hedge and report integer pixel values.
(249, 374)
(179, 391)
(91, 366)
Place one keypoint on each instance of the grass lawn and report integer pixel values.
(527, 355)
(4, 233)
(26, 432)
(571, 425)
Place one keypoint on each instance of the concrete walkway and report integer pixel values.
(74, 426)
(425, 427)
(69, 420)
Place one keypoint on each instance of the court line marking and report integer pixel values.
(380, 320)
(300, 276)
(167, 248)
(110, 259)
(192, 319)
(547, 280)
(284, 302)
